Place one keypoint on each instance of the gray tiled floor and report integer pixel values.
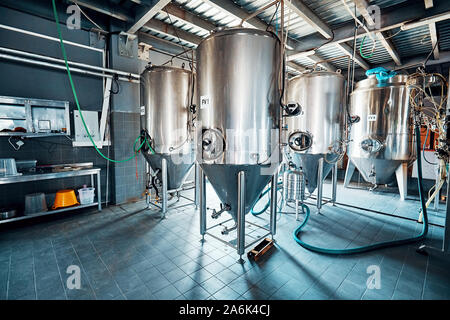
(126, 252)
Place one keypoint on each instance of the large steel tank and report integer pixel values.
(238, 75)
(315, 136)
(165, 116)
(382, 140)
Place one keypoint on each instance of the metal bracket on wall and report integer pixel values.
(127, 43)
(144, 51)
(97, 39)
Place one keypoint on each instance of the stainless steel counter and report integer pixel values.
(30, 177)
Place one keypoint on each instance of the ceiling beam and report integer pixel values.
(391, 18)
(170, 30)
(347, 50)
(410, 63)
(146, 13)
(298, 55)
(434, 40)
(362, 6)
(230, 8)
(98, 7)
(310, 17)
(165, 46)
(188, 17)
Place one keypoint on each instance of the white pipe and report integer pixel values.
(77, 70)
(31, 33)
(78, 64)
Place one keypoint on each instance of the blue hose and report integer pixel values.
(266, 206)
(378, 245)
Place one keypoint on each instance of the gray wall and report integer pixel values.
(35, 82)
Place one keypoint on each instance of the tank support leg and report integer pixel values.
(402, 180)
(436, 198)
(334, 172)
(349, 173)
(164, 187)
(273, 204)
(241, 216)
(319, 185)
(196, 181)
(202, 198)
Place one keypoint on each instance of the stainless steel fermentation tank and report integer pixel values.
(238, 76)
(381, 143)
(315, 137)
(165, 117)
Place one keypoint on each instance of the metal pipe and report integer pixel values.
(334, 172)
(35, 34)
(273, 204)
(202, 196)
(164, 187)
(319, 185)
(196, 191)
(446, 240)
(241, 216)
(77, 64)
(49, 65)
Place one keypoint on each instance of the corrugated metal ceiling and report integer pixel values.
(408, 43)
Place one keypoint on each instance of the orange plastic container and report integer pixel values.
(65, 198)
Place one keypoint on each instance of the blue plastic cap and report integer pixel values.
(381, 73)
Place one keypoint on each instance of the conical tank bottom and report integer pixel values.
(310, 166)
(177, 167)
(377, 171)
(224, 179)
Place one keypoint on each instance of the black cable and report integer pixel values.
(273, 16)
(431, 52)
(115, 80)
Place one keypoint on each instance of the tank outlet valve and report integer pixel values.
(223, 207)
(227, 230)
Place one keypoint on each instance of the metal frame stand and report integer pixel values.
(401, 174)
(240, 225)
(320, 178)
(164, 197)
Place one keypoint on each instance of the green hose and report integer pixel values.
(63, 50)
(360, 50)
(378, 245)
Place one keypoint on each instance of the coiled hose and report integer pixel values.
(378, 245)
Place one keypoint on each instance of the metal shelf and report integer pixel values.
(46, 213)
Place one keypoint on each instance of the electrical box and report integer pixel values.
(91, 119)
